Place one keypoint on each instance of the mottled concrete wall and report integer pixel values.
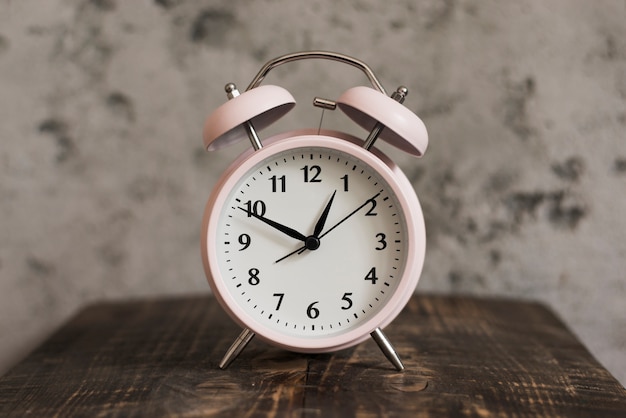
(103, 177)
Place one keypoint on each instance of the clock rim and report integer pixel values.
(399, 184)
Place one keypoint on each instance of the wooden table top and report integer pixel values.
(463, 357)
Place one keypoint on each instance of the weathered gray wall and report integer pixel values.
(103, 177)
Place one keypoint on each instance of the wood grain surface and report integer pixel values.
(464, 357)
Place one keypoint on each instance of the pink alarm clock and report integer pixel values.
(313, 240)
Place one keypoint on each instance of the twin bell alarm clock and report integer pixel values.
(313, 240)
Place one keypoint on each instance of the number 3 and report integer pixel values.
(383, 243)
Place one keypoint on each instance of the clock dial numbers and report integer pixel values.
(279, 183)
(371, 275)
(372, 205)
(257, 208)
(345, 182)
(244, 240)
(280, 297)
(381, 240)
(346, 297)
(312, 173)
(317, 242)
(254, 276)
(313, 312)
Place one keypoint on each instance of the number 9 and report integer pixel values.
(244, 239)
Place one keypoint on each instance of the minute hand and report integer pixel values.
(349, 215)
(282, 228)
(319, 226)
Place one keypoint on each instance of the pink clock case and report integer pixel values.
(390, 173)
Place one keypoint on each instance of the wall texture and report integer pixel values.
(103, 177)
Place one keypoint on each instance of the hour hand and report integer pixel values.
(282, 228)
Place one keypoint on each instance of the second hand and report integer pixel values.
(303, 248)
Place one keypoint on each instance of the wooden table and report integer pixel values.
(464, 357)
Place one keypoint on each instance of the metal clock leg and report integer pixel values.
(387, 349)
(236, 348)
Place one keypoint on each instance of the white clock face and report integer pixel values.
(310, 243)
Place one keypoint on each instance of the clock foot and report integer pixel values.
(387, 349)
(236, 348)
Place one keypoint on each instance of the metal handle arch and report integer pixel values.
(332, 56)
